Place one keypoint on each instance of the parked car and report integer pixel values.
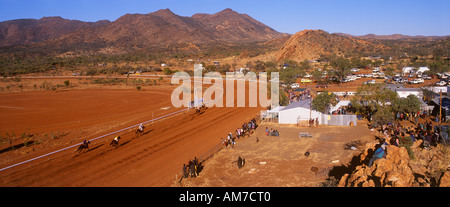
(295, 85)
(414, 81)
(321, 86)
(419, 80)
(369, 82)
(305, 81)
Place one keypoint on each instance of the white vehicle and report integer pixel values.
(354, 70)
(426, 77)
(419, 80)
(307, 75)
(368, 75)
(351, 78)
(295, 85)
(413, 81)
(369, 82)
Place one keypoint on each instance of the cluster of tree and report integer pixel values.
(293, 70)
(323, 101)
(380, 104)
(374, 101)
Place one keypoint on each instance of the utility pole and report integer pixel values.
(440, 116)
(310, 101)
(440, 107)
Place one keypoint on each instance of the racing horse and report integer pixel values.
(83, 147)
(199, 109)
(139, 131)
(115, 142)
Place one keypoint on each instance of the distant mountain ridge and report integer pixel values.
(28, 31)
(160, 28)
(392, 36)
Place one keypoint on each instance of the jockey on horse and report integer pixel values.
(140, 129)
(115, 141)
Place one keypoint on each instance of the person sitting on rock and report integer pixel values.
(379, 153)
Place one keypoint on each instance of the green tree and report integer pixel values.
(284, 100)
(323, 101)
(288, 76)
(383, 116)
(168, 71)
(67, 83)
(370, 98)
(317, 75)
(342, 66)
(410, 104)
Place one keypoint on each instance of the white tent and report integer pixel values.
(423, 69)
(407, 69)
(296, 112)
(272, 113)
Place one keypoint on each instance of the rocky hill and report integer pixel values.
(392, 37)
(139, 31)
(28, 31)
(311, 44)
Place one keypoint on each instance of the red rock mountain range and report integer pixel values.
(162, 27)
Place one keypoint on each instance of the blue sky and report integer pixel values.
(412, 17)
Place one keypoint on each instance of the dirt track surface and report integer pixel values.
(152, 159)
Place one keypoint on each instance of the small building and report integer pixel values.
(405, 92)
(297, 112)
(301, 112)
(198, 66)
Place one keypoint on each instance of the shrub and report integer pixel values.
(138, 88)
(168, 71)
(406, 142)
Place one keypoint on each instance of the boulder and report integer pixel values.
(445, 180)
(394, 170)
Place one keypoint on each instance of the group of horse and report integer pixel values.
(114, 143)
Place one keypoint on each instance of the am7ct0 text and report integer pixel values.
(227, 196)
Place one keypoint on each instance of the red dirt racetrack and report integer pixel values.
(152, 159)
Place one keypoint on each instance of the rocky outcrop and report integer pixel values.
(392, 171)
(445, 180)
(311, 44)
(428, 168)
